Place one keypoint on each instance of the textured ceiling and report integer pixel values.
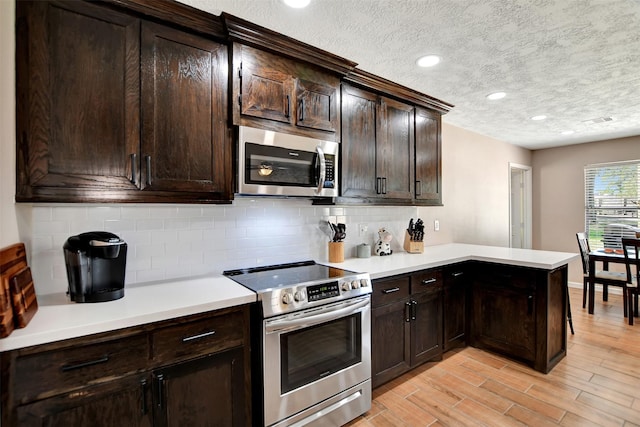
(571, 60)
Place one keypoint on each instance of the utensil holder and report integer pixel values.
(412, 246)
(336, 251)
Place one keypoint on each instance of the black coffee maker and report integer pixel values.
(96, 264)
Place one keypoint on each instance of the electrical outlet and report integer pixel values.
(362, 229)
(436, 225)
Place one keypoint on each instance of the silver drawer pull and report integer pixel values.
(197, 337)
(390, 291)
(67, 368)
(458, 274)
(427, 281)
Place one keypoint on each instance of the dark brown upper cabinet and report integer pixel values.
(109, 104)
(391, 143)
(278, 93)
(282, 84)
(78, 79)
(377, 146)
(428, 157)
(184, 105)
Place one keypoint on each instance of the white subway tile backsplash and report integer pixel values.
(49, 227)
(149, 224)
(171, 241)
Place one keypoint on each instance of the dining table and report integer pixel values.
(606, 257)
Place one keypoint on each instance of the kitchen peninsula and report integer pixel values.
(508, 300)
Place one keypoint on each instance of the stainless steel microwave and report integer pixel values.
(278, 164)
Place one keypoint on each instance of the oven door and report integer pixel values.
(315, 354)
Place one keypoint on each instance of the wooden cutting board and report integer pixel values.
(18, 301)
(23, 297)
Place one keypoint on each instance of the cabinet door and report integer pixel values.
(124, 402)
(205, 392)
(265, 89)
(455, 297)
(390, 342)
(317, 106)
(504, 319)
(77, 100)
(395, 150)
(428, 157)
(359, 123)
(184, 112)
(426, 325)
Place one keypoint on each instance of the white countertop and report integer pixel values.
(58, 318)
(436, 256)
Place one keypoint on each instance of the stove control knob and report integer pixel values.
(299, 296)
(287, 298)
(355, 284)
(364, 283)
(346, 286)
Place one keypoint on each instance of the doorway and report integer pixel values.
(520, 195)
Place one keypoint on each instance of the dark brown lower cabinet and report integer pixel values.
(120, 402)
(190, 371)
(455, 295)
(205, 392)
(406, 323)
(390, 345)
(520, 312)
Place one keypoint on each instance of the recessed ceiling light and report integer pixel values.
(541, 117)
(496, 95)
(428, 61)
(297, 4)
(568, 132)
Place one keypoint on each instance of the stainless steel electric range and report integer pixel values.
(312, 343)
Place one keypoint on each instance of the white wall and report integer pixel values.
(178, 240)
(8, 221)
(558, 191)
(476, 186)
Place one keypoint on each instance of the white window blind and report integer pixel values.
(612, 198)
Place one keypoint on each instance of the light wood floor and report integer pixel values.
(597, 384)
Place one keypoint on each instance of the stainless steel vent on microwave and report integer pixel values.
(279, 164)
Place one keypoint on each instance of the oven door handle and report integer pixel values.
(280, 325)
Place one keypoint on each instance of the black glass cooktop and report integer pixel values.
(260, 279)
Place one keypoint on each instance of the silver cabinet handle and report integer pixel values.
(197, 337)
(428, 281)
(147, 159)
(390, 290)
(134, 168)
(301, 115)
(160, 391)
(458, 274)
(288, 113)
(67, 368)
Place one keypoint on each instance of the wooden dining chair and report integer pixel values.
(632, 262)
(604, 277)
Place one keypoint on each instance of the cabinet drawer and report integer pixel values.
(506, 275)
(389, 290)
(199, 337)
(426, 281)
(77, 366)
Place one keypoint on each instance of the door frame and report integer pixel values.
(525, 199)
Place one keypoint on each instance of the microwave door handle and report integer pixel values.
(323, 169)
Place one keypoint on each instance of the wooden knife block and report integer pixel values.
(411, 246)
